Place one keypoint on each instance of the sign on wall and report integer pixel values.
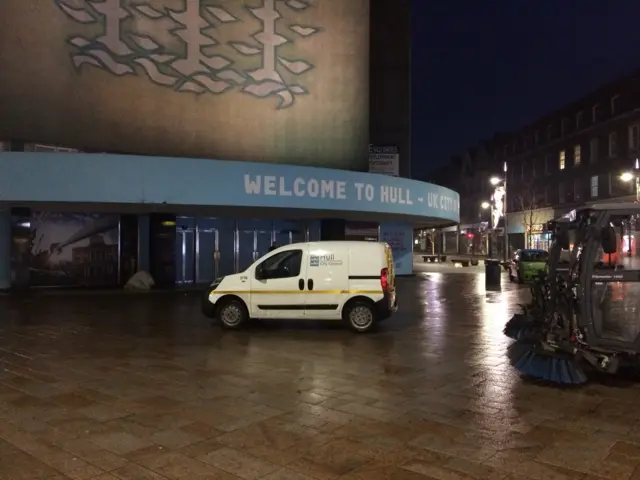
(384, 160)
(399, 236)
(130, 179)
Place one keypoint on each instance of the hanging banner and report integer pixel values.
(384, 160)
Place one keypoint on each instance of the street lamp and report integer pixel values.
(495, 181)
(629, 176)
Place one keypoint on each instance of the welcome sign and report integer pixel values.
(131, 179)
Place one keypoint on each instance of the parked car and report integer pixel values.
(349, 281)
(526, 263)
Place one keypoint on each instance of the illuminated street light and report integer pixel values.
(627, 176)
(485, 205)
(495, 181)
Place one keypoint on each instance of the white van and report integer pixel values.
(349, 281)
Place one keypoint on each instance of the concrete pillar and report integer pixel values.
(5, 249)
(458, 240)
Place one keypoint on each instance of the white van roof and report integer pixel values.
(338, 243)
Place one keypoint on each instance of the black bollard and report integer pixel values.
(492, 275)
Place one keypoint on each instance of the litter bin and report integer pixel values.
(492, 275)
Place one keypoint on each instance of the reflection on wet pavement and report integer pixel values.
(133, 387)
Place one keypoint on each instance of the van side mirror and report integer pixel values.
(259, 272)
(608, 240)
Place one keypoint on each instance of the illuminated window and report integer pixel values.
(562, 159)
(594, 186)
(577, 151)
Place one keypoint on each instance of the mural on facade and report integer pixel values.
(74, 249)
(203, 47)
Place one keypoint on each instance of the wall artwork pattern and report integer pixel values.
(198, 60)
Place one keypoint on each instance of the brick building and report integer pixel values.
(574, 155)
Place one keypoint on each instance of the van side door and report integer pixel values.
(327, 282)
(278, 284)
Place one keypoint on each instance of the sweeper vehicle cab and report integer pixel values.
(585, 312)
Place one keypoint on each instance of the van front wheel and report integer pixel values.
(360, 316)
(233, 314)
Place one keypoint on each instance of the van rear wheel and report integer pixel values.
(360, 316)
(233, 314)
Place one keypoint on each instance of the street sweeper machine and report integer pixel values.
(585, 309)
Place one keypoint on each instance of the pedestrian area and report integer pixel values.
(114, 386)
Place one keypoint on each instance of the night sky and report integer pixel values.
(482, 66)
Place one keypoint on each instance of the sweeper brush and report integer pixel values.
(532, 361)
(518, 327)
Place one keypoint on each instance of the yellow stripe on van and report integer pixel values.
(297, 292)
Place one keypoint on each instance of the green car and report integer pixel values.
(525, 264)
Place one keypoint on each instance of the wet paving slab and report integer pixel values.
(117, 386)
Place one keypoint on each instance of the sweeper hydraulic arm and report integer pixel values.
(585, 308)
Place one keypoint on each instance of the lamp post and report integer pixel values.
(635, 175)
(485, 206)
(495, 181)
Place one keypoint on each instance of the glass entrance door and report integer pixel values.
(185, 258)
(216, 248)
(254, 240)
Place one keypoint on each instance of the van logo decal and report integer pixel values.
(324, 260)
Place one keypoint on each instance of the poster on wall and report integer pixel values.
(69, 250)
(400, 237)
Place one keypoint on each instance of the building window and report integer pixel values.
(577, 189)
(613, 144)
(564, 126)
(577, 153)
(523, 169)
(548, 161)
(562, 159)
(614, 102)
(506, 151)
(594, 186)
(595, 113)
(561, 192)
(579, 116)
(550, 132)
(594, 146)
(533, 168)
(634, 136)
(536, 137)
